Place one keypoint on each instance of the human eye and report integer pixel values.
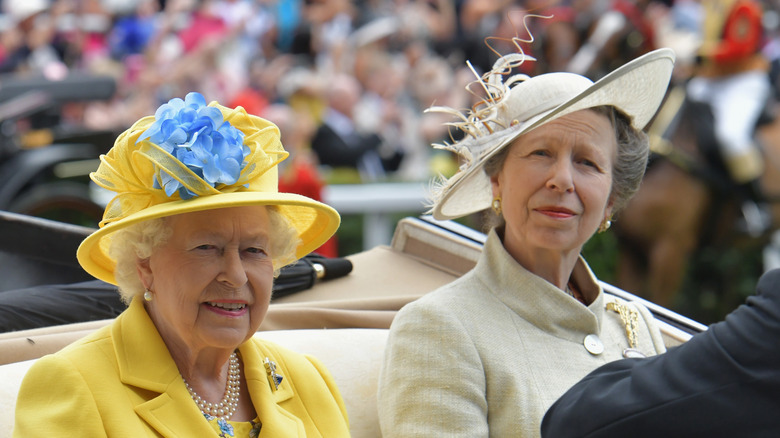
(591, 160)
(594, 165)
(536, 153)
(256, 251)
(590, 163)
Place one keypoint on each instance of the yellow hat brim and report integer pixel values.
(316, 223)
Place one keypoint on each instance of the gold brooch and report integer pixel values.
(274, 379)
(630, 319)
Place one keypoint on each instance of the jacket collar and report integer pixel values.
(268, 402)
(145, 362)
(535, 299)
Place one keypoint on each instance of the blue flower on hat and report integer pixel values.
(197, 136)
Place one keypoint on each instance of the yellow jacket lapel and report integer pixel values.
(144, 362)
(268, 401)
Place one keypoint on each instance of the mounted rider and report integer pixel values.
(732, 77)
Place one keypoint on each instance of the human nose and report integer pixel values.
(232, 272)
(561, 176)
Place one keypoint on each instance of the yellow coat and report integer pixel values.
(121, 381)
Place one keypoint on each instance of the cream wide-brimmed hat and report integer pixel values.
(636, 89)
(191, 157)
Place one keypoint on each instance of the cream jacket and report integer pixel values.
(121, 382)
(486, 355)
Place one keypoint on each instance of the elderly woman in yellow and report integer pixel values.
(193, 239)
(551, 157)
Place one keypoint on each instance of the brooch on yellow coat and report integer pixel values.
(274, 379)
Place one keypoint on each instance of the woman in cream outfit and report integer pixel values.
(552, 158)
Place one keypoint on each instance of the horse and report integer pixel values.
(686, 202)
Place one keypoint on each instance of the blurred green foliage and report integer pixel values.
(717, 281)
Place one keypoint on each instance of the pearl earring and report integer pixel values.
(496, 205)
(605, 225)
(148, 295)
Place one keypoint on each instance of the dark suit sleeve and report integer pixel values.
(724, 382)
(333, 150)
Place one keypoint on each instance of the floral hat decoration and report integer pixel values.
(518, 103)
(190, 157)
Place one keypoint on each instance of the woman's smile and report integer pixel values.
(229, 308)
(556, 212)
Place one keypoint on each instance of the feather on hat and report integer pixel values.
(520, 103)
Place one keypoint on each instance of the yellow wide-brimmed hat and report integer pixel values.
(191, 157)
(517, 104)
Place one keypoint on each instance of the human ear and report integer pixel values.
(144, 270)
(495, 185)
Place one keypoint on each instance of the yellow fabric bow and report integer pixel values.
(130, 169)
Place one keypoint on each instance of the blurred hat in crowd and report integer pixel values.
(20, 10)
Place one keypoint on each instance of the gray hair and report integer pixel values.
(140, 240)
(633, 148)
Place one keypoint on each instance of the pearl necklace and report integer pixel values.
(227, 407)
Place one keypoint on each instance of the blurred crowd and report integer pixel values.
(347, 81)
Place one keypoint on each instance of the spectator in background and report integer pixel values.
(337, 142)
(733, 79)
(328, 26)
(133, 32)
(383, 107)
(434, 21)
(29, 42)
(432, 81)
(772, 47)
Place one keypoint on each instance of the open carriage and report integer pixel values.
(341, 321)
